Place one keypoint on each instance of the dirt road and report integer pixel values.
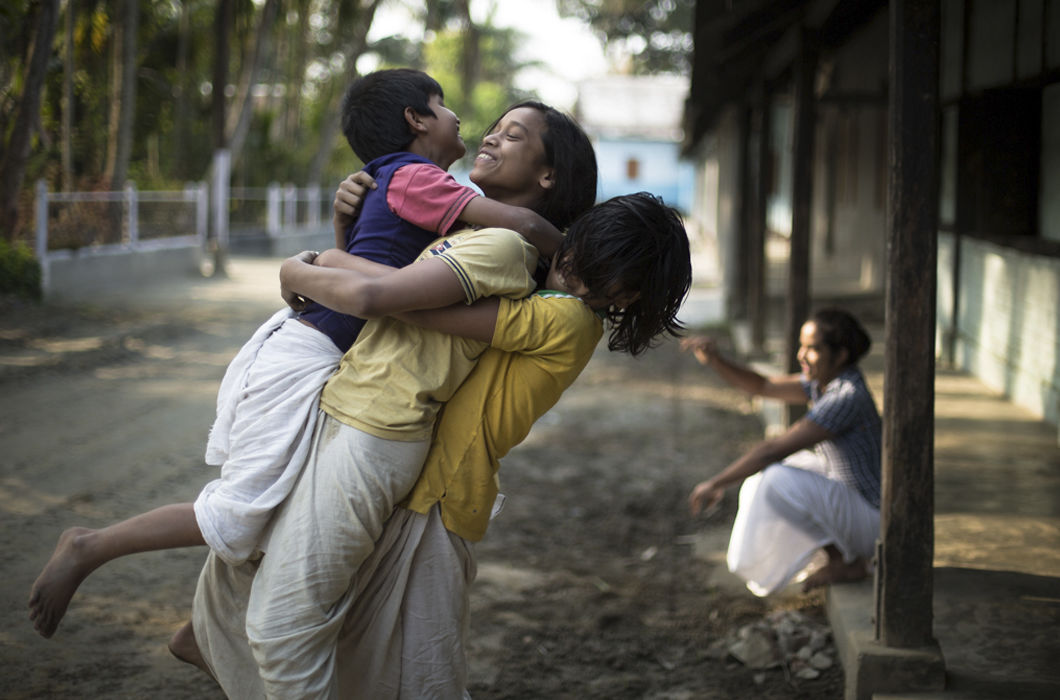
(593, 582)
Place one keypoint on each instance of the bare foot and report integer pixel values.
(183, 646)
(836, 571)
(58, 581)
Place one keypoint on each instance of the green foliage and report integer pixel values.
(19, 271)
(492, 90)
(307, 64)
(656, 35)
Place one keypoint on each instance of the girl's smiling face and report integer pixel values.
(511, 165)
(816, 359)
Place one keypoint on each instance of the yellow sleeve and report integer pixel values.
(491, 262)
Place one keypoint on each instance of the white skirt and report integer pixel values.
(266, 411)
(787, 514)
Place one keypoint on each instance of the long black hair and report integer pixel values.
(632, 243)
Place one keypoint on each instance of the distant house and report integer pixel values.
(635, 125)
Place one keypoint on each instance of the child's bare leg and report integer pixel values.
(835, 571)
(183, 646)
(80, 551)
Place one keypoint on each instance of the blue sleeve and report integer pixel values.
(837, 410)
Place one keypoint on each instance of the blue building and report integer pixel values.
(635, 125)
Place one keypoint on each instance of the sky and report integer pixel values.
(567, 48)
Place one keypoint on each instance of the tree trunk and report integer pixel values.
(240, 118)
(66, 139)
(13, 163)
(222, 32)
(296, 77)
(180, 109)
(355, 47)
(118, 163)
(113, 105)
(469, 60)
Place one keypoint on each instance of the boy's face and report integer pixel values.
(510, 166)
(443, 137)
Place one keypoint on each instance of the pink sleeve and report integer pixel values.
(427, 196)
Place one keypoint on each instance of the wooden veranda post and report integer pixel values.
(904, 584)
(801, 198)
(756, 268)
(798, 306)
(740, 260)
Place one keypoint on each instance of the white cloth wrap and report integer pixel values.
(403, 637)
(787, 514)
(266, 411)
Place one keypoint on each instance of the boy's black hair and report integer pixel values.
(570, 154)
(840, 330)
(373, 110)
(632, 243)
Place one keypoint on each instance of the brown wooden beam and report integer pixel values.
(801, 197)
(756, 248)
(739, 288)
(904, 584)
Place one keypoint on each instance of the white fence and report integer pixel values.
(278, 211)
(87, 237)
(129, 235)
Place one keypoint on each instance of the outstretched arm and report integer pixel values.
(802, 434)
(787, 388)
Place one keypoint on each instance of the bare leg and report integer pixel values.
(183, 646)
(835, 571)
(80, 551)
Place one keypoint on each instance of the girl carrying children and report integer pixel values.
(397, 123)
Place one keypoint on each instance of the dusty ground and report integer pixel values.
(593, 583)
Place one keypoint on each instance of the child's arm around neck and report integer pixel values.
(481, 211)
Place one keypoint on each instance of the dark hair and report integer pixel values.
(632, 243)
(373, 110)
(570, 154)
(839, 330)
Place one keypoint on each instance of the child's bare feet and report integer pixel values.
(836, 571)
(183, 646)
(58, 581)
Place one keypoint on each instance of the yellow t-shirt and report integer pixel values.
(394, 378)
(540, 346)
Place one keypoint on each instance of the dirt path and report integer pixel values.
(593, 582)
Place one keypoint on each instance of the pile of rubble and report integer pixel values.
(784, 638)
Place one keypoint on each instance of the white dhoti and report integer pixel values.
(402, 637)
(314, 545)
(405, 635)
(787, 514)
(266, 411)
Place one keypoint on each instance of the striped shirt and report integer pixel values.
(847, 410)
